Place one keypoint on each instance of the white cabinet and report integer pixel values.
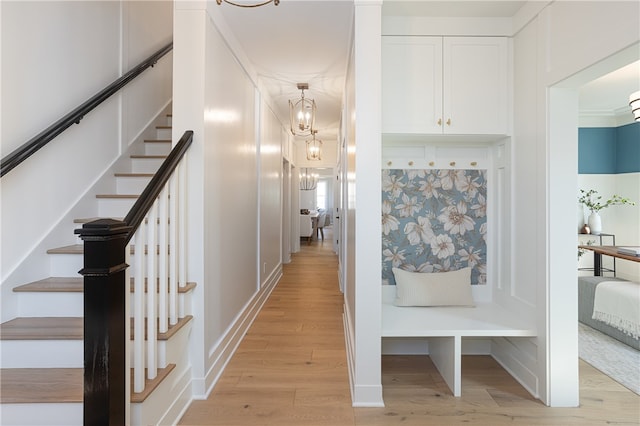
(444, 85)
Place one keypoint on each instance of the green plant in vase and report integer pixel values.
(593, 201)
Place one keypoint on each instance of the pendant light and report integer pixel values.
(314, 148)
(634, 102)
(308, 181)
(302, 113)
(275, 2)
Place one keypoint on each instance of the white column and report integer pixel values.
(367, 385)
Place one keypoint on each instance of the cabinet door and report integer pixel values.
(475, 85)
(411, 84)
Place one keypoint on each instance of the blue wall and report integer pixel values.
(609, 150)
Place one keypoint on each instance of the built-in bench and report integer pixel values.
(446, 326)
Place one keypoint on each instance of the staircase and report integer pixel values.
(42, 350)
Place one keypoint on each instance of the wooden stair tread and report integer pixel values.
(173, 329)
(63, 328)
(123, 196)
(72, 249)
(148, 156)
(58, 385)
(54, 284)
(157, 140)
(164, 126)
(41, 385)
(75, 285)
(43, 328)
(132, 175)
(79, 249)
(91, 219)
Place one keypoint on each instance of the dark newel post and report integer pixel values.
(104, 321)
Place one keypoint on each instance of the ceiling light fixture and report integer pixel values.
(308, 181)
(634, 102)
(314, 148)
(275, 2)
(302, 113)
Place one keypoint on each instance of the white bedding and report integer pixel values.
(617, 303)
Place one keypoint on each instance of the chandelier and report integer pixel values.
(302, 113)
(634, 102)
(308, 181)
(314, 148)
(275, 2)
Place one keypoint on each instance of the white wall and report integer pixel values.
(271, 211)
(55, 55)
(545, 161)
(364, 252)
(235, 185)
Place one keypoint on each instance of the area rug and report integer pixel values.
(613, 358)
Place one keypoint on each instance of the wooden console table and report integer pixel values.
(598, 251)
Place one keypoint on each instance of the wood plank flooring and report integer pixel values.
(290, 369)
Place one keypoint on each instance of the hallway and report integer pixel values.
(290, 370)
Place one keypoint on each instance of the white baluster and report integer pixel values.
(173, 247)
(138, 307)
(152, 277)
(163, 265)
(182, 229)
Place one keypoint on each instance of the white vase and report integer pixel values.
(595, 223)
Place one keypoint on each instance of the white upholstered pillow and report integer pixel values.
(451, 288)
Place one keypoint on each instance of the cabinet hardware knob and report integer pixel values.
(411, 163)
(439, 121)
(389, 163)
(431, 163)
(448, 122)
(453, 163)
(474, 163)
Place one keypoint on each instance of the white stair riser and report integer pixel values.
(145, 165)
(115, 207)
(131, 184)
(163, 133)
(65, 265)
(157, 148)
(68, 414)
(42, 354)
(161, 353)
(184, 299)
(170, 121)
(50, 304)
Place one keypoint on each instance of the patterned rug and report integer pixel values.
(614, 358)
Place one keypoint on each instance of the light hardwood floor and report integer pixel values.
(290, 369)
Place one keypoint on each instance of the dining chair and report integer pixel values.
(320, 226)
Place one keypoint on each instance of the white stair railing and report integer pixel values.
(158, 270)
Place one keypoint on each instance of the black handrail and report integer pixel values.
(142, 206)
(34, 144)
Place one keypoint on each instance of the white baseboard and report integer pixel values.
(226, 346)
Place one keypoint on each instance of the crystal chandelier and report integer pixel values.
(314, 148)
(634, 102)
(302, 113)
(275, 2)
(308, 181)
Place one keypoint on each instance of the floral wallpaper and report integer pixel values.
(433, 221)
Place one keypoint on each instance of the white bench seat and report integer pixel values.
(446, 326)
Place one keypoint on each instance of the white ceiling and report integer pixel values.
(609, 94)
(307, 41)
